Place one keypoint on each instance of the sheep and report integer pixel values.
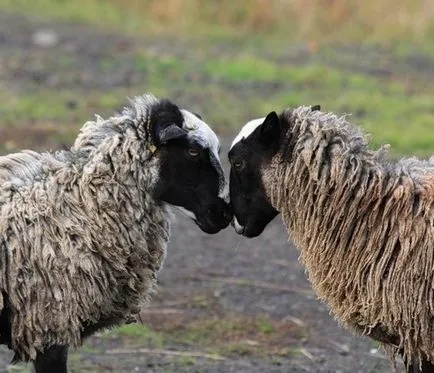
(84, 231)
(364, 224)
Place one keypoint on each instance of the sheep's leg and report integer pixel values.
(52, 360)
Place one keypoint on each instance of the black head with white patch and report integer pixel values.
(250, 155)
(250, 151)
(190, 173)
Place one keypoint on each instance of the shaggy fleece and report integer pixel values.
(81, 238)
(364, 226)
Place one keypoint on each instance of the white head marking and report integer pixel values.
(205, 136)
(238, 227)
(190, 125)
(247, 130)
(201, 132)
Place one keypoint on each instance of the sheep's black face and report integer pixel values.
(250, 153)
(190, 176)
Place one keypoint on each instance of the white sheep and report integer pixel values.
(364, 224)
(84, 231)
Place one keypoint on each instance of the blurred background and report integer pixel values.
(225, 304)
(63, 60)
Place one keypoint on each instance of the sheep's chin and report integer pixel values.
(185, 212)
(206, 225)
(237, 226)
(250, 230)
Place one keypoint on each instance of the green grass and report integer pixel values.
(20, 368)
(72, 10)
(137, 335)
(369, 20)
(228, 77)
(231, 91)
(231, 335)
(383, 107)
(64, 105)
(41, 119)
(266, 327)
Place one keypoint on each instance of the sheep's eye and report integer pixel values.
(193, 152)
(238, 165)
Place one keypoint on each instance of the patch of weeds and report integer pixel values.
(109, 63)
(108, 101)
(71, 10)
(65, 61)
(242, 69)
(187, 360)
(265, 326)
(241, 348)
(46, 121)
(161, 68)
(87, 348)
(33, 107)
(253, 68)
(137, 335)
(19, 368)
(80, 366)
(405, 49)
(232, 87)
(384, 109)
(132, 330)
(231, 335)
(64, 106)
(293, 21)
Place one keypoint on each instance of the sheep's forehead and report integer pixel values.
(201, 132)
(247, 130)
(205, 136)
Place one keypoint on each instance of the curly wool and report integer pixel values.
(82, 239)
(364, 226)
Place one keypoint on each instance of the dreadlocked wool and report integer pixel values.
(81, 238)
(364, 227)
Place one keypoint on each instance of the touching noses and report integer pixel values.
(222, 211)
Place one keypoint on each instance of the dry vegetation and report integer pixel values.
(319, 20)
(302, 18)
(238, 59)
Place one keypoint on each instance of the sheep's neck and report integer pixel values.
(115, 187)
(330, 202)
(115, 151)
(320, 190)
(118, 165)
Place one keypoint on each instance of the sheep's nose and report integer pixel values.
(222, 212)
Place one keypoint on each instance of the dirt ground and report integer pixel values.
(249, 299)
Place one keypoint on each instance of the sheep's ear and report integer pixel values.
(315, 107)
(170, 132)
(269, 131)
